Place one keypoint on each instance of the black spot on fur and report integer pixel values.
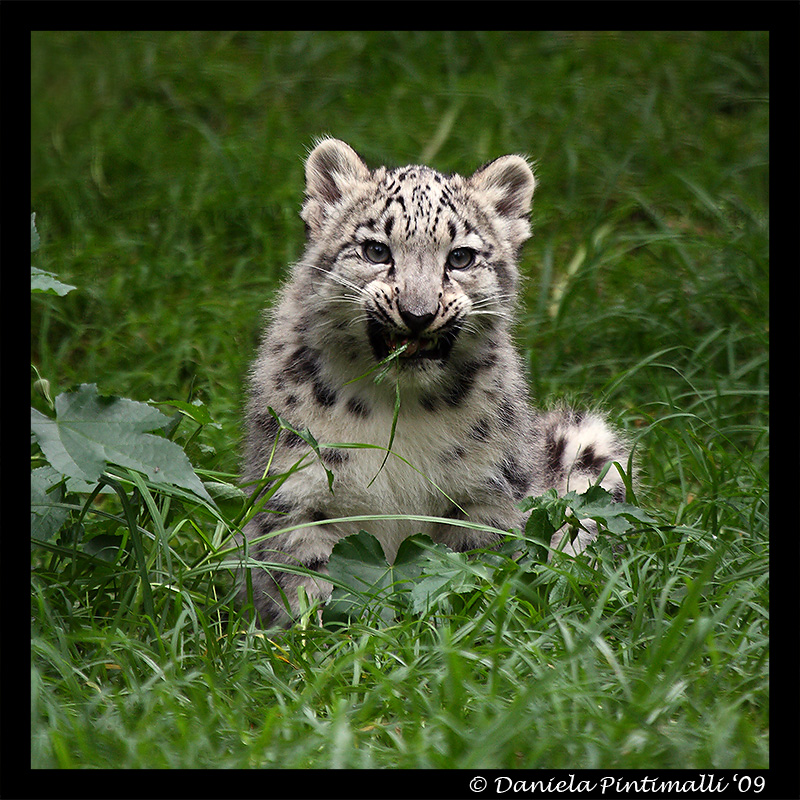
(302, 365)
(280, 505)
(515, 475)
(458, 391)
(324, 394)
(428, 402)
(453, 454)
(267, 424)
(554, 448)
(496, 486)
(333, 457)
(316, 564)
(358, 407)
(589, 461)
(488, 357)
(480, 431)
(462, 384)
(503, 273)
(268, 521)
(396, 199)
(291, 439)
(326, 261)
(302, 325)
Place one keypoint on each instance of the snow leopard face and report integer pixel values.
(412, 260)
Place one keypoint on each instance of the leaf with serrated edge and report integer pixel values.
(48, 283)
(358, 561)
(47, 514)
(421, 572)
(90, 432)
(596, 503)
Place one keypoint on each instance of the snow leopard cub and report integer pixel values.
(404, 258)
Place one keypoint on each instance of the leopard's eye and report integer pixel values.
(376, 252)
(461, 258)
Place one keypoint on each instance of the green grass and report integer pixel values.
(166, 179)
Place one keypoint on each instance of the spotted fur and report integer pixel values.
(408, 258)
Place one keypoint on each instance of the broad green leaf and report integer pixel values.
(46, 282)
(597, 504)
(421, 574)
(359, 562)
(445, 573)
(90, 432)
(550, 511)
(42, 281)
(549, 507)
(539, 529)
(47, 516)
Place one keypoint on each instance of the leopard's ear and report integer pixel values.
(507, 185)
(333, 169)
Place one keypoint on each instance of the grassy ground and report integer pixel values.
(166, 178)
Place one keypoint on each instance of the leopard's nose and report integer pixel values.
(416, 323)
